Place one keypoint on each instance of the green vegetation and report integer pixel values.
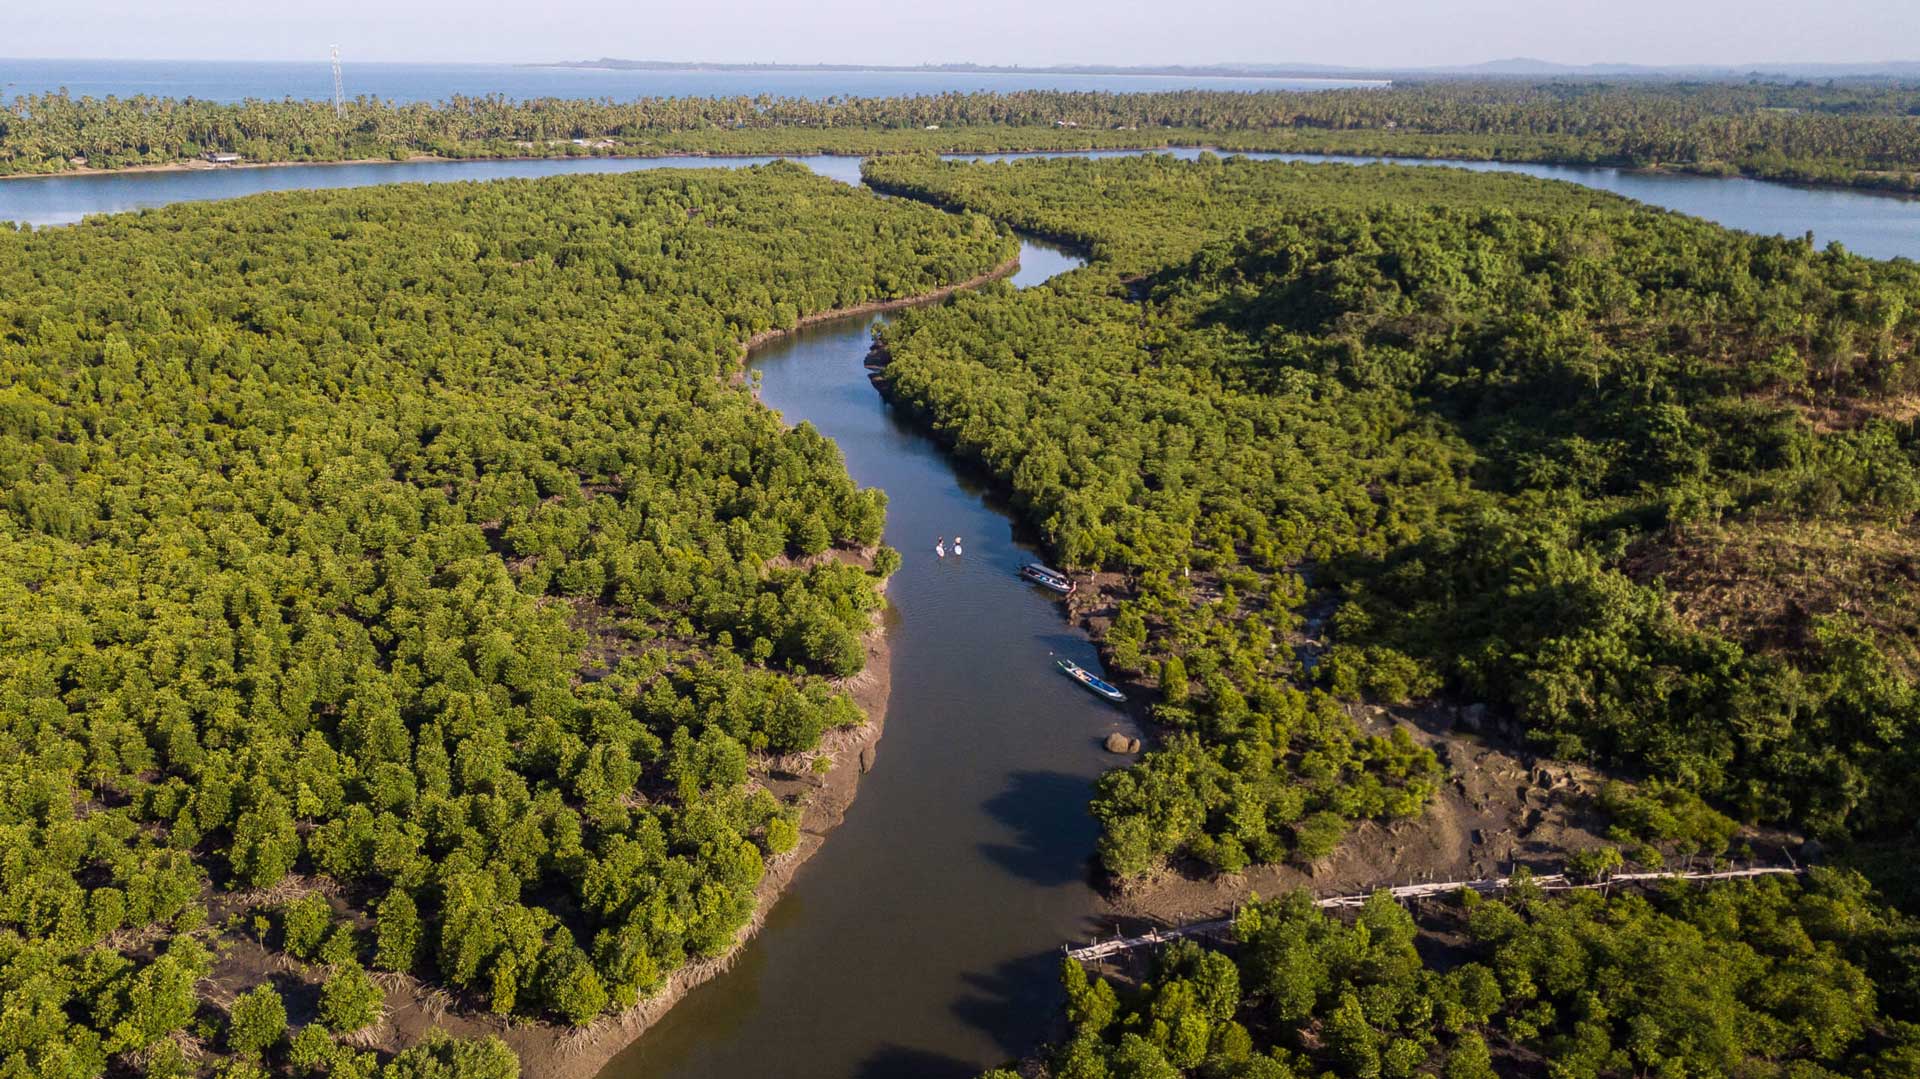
(404, 576)
(1470, 415)
(417, 538)
(1664, 815)
(257, 1021)
(1859, 133)
(304, 924)
(1774, 978)
(1645, 484)
(350, 1001)
(1136, 215)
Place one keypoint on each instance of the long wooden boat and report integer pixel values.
(1085, 677)
(1047, 577)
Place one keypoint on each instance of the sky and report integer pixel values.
(1371, 33)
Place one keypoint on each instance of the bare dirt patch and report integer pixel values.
(1501, 808)
(1763, 582)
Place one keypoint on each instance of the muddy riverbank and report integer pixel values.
(875, 307)
(549, 1051)
(922, 939)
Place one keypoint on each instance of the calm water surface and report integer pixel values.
(235, 81)
(1881, 226)
(922, 939)
(63, 200)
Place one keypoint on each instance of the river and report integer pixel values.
(1882, 226)
(921, 940)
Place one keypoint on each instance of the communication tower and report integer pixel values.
(339, 95)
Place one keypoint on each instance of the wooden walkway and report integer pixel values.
(1556, 882)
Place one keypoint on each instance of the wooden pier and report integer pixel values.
(1557, 882)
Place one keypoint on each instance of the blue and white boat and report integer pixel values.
(1047, 577)
(1086, 678)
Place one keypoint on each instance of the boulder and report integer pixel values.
(1120, 743)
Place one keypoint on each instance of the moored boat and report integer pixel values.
(1086, 678)
(1047, 577)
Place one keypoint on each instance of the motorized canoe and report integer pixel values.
(1047, 577)
(1086, 678)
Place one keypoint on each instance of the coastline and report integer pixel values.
(80, 171)
(552, 1051)
(1224, 71)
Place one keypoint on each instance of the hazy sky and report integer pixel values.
(1358, 32)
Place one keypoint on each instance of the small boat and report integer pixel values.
(1047, 577)
(1085, 677)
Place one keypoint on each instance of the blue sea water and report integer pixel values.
(235, 81)
(1868, 223)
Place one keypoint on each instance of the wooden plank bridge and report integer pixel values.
(1557, 882)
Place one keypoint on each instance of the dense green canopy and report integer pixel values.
(1779, 980)
(403, 577)
(417, 542)
(1488, 423)
(1861, 133)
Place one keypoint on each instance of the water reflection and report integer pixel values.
(934, 915)
(1883, 226)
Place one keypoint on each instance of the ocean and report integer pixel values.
(229, 81)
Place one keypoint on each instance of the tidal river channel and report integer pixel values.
(922, 939)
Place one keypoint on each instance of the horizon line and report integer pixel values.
(1109, 67)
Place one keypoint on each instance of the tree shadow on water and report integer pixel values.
(1065, 644)
(1054, 833)
(901, 1062)
(1017, 1004)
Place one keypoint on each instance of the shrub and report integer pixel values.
(349, 1001)
(1594, 864)
(442, 1056)
(304, 924)
(257, 1021)
(1318, 835)
(397, 932)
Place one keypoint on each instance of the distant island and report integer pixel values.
(1211, 71)
(1518, 67)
